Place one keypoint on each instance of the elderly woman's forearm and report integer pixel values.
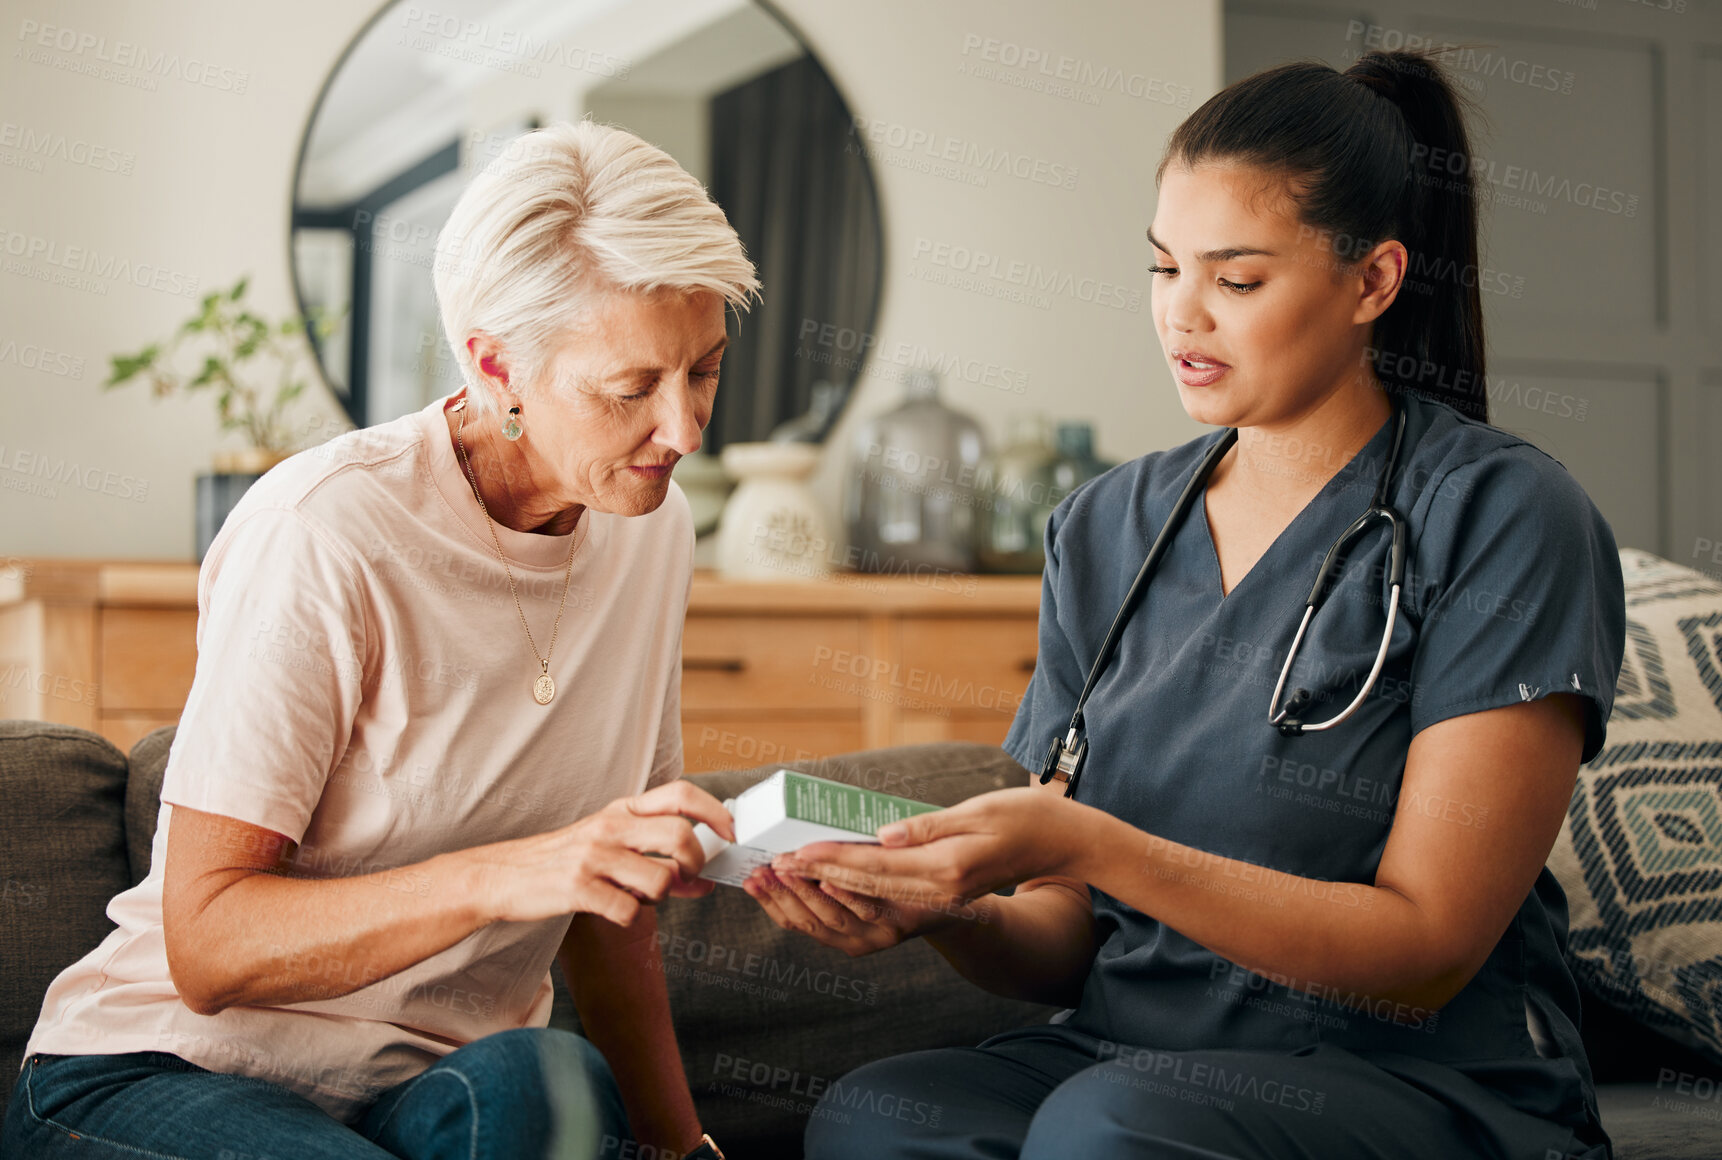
(616, 977)
(243, 935)
(266, 939)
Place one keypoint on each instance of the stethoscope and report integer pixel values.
(1064, 758)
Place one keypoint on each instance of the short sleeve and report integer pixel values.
(1058, 674)
(279, 676)
(1517, 582)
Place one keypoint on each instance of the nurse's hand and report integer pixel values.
(856, 924)
(941, 860)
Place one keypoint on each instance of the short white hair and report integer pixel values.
(564, 213)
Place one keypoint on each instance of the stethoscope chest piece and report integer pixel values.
(1064, 761)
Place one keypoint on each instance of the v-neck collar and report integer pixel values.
(1339, 479)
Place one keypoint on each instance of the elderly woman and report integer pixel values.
(433, 739)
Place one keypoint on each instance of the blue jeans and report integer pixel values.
(515, 1095)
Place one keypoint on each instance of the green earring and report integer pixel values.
(511, 426)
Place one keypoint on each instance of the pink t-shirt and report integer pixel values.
(364, 687)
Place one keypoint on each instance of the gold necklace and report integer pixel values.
(544, 688)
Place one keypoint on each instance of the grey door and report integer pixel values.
(1600, 144)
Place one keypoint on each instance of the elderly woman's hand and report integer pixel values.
(634, 849)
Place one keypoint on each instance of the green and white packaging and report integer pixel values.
(788, 810)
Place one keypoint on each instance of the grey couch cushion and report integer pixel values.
(1647, 1121)
(148, 760)
(768, 1019)
(62, 858)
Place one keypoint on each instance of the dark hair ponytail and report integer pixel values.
(1379, 151)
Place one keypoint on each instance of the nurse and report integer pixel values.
(1329, 943)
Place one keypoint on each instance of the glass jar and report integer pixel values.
(1021, 495)
(911, 500)
(1076, 463)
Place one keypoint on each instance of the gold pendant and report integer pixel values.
(543, 689)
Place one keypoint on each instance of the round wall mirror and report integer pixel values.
(424, 97)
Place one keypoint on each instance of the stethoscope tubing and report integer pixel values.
(1065, 760)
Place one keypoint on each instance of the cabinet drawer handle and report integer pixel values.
(1026, 664)
(714, 664)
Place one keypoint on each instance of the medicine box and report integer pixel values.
(787, 811)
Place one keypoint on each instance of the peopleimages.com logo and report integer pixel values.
(121, 60)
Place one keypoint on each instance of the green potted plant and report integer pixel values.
(232, 352)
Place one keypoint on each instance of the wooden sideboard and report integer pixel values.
(771, 671)
(105, 645)
(786, 671)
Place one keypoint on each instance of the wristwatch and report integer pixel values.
(706, 1149)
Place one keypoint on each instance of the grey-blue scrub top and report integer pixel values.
(1512, 591)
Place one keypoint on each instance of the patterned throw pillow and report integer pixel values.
(1640, 855)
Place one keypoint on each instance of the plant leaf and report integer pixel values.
(211, 370)
(126, 366)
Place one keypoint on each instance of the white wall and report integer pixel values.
(203, 184)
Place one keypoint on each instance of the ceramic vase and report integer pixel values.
(773, 528)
